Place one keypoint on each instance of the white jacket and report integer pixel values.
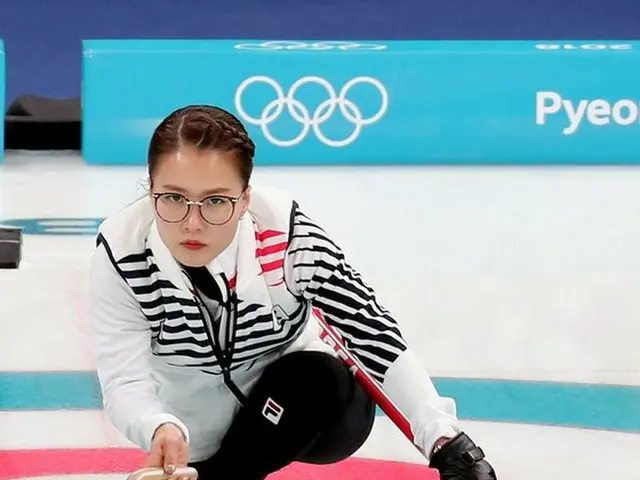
(156, 361)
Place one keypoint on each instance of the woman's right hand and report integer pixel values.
(169, 449)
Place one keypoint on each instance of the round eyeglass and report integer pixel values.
(215, 209)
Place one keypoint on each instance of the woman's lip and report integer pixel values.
(192, 244)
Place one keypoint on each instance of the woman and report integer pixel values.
(208, 355)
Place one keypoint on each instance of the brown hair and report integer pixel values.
(204, 127)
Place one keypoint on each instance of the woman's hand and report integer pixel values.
(169, 449)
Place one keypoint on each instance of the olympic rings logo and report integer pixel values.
(301, 114)
(314, 46)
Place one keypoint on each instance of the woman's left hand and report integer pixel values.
(461, 459)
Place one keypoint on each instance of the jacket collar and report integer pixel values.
(237, 260)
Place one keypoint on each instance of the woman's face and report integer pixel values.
(211, 177)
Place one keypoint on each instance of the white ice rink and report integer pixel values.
(506, 259)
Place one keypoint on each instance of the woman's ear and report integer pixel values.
(147, 185)
(246, 200)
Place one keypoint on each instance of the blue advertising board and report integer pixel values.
(374, 102)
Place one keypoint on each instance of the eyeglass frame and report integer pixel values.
(199, 203)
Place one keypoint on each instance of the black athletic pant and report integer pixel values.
(325, 416)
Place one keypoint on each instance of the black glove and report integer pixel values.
(461, 459)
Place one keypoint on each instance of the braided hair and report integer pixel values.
(203, 127)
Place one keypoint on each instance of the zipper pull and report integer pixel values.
(278, 316)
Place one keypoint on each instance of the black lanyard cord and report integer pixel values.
(204, 282)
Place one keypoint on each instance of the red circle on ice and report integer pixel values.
(122, 461)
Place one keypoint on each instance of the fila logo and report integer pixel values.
(272, 411)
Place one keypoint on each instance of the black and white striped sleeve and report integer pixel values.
(318, 271)
(122, 337)
(322, 275)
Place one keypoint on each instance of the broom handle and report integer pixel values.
(370, 385)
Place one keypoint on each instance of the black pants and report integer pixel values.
(306, 407)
